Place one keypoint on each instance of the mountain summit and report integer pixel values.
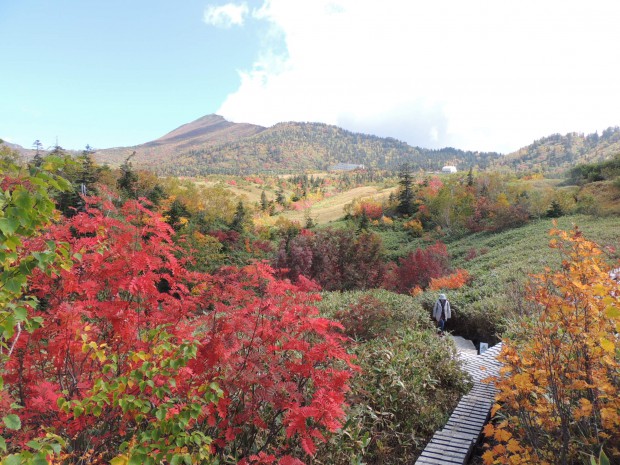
(210, 129)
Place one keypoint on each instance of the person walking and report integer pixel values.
(442, 312)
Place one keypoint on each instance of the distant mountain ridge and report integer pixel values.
(211, 144)
(558, 152)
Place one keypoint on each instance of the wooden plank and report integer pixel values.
(423, 460)
(452, 452)
(452, 445)
(451, 442)
(458, 460)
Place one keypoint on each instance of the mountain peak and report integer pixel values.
(208, 129)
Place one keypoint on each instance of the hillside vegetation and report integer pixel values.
(557, 153)
(213, 145)
(314, 146)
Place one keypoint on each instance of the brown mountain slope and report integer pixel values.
(199, 134)
(210, 129)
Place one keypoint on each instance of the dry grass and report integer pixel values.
(332, 208)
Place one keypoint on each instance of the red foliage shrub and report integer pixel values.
(365, 319)
(282, 370)
(373, 210)
(229, 238)
(419, 267)
(493, 217)
(336, 259)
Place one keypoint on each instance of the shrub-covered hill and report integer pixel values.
(557, 153)
(213, 145)
(500, 264)
(313, 146)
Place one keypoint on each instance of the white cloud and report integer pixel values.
(226, 16)
(482, 75)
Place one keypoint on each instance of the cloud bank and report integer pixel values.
(483, 75)
(226, 16)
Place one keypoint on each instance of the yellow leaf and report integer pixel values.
(120, 460)
(501, 435)
(488, 458)
(608, 345)
(612, 311)
(495, 408)
(513, 446)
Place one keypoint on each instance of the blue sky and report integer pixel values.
(480, 75)
(115, 72)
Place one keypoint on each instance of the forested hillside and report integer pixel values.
(212, 145)
(307, 146)
(558, 152)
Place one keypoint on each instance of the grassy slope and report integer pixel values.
(499, 274)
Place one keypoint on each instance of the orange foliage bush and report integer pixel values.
(560, 393)
(452, 281)
(414, 227)
(416, 290)
(373, 210)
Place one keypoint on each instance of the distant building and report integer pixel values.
(449, 169)
(346, 167)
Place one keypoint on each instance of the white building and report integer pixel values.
(449, 169)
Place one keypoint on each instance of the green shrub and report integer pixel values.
(388, 312)
(406, 390)
(409, 383)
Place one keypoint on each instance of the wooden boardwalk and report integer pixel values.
(453, 444)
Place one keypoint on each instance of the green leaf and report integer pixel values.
(160, 414)
(137, 459)
(13, 459)
(34, 445)
(12, 421)
(40, 459)
(78, 410)
(603, 459)
(21, 314)
(2, 444)
(8, 225)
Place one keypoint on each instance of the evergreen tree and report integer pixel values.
(176, 213)
(470, 177)
(37, 161)
(406, 194)
(280, 196)
(238, 222)
(555, 211)
(128, 180)
(309, 222)
(364, 222)
(58, 151)
(264, 204)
